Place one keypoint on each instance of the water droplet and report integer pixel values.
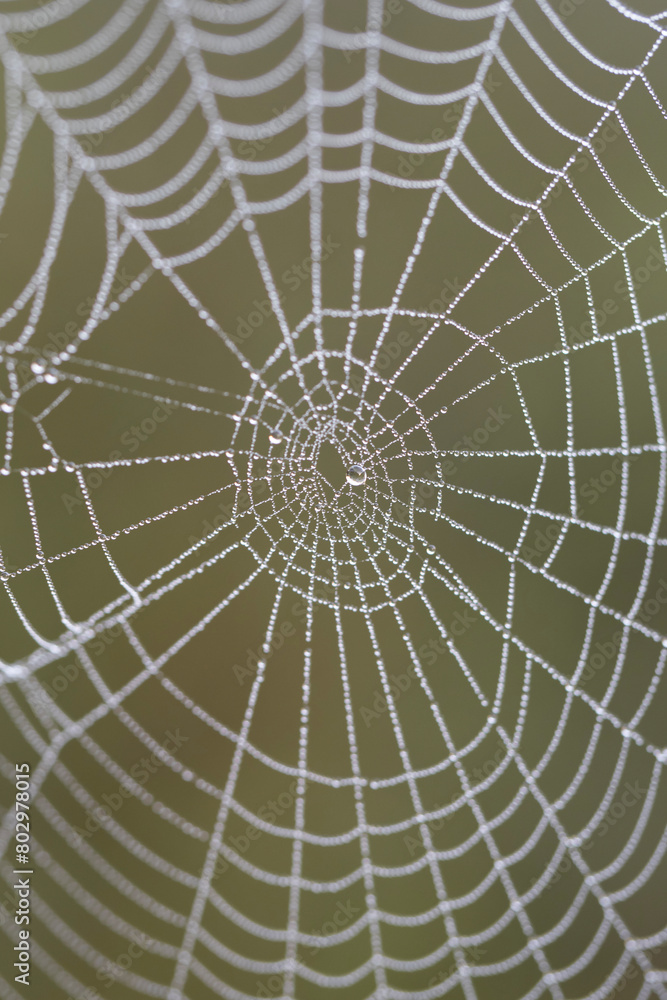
(356, 475)
(276, 436)
(38, 367)
(51, 378)
(6, 407)
(229, 453)
(430, 549)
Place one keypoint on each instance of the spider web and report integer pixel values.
(407, 734)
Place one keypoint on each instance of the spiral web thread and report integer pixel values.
(370, 563)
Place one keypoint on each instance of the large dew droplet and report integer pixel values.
(276, 436)
(356, 475)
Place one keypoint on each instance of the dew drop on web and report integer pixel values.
(356, 475)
